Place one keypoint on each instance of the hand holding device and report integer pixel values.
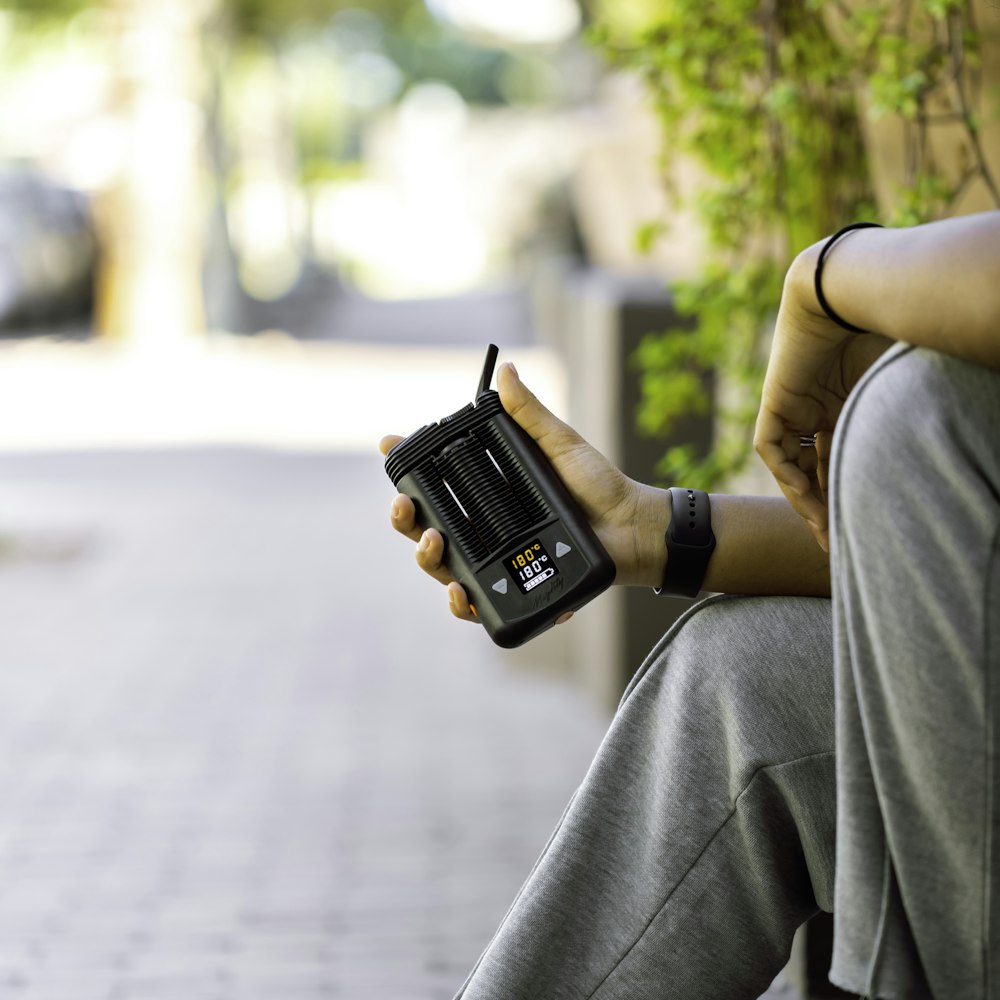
(514, 537)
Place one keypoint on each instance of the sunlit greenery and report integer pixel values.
(768, 96)
(421, 47)
(59, 9)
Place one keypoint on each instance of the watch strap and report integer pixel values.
(690, 543)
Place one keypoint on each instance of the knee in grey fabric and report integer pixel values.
(702, 834)
(914, 507)
(915, 470)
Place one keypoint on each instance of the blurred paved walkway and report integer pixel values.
(234, 762)
(244, 752)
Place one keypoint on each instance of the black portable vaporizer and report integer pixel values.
(514, 537)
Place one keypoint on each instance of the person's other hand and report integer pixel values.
(621, 511)
(813, 366)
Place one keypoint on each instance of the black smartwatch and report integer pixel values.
(690, 543)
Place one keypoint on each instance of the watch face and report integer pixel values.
(531, 566)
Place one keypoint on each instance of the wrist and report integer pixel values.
(800, 282)
(801, 309)
(649, 525)
(809, 275)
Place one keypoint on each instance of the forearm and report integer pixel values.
(936, 285)
(762, 547)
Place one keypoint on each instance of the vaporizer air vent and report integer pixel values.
(488, 499)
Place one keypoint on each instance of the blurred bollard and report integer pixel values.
(48, 252)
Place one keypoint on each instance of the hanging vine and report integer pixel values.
(770, 97)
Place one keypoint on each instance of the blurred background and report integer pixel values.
(259, 188)
(244, 752)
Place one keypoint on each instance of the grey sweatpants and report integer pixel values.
(776, 756)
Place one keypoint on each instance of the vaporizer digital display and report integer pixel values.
(531, 566)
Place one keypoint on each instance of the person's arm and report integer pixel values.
(762, 545)
(935, 286)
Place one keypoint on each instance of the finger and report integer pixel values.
(553, 436)
(812, 508)
(821, 533)
(787, 473)
(779, 449)
(430, 556)
(808, 461)
(791, 444)
(458, 602)
(388, 443)
(800, 471)
(403, 517)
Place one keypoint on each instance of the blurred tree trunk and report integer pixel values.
(150, 293)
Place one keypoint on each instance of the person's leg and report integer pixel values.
(915, 508)
(703, 833)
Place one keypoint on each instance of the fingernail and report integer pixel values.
(510, 365)
(396, 508)
(423, 543)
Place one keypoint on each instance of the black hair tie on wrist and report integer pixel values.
(820, 297)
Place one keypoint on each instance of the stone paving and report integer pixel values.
(244, 752)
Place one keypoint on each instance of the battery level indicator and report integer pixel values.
(539, 578)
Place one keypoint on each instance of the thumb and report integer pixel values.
(554, 437)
